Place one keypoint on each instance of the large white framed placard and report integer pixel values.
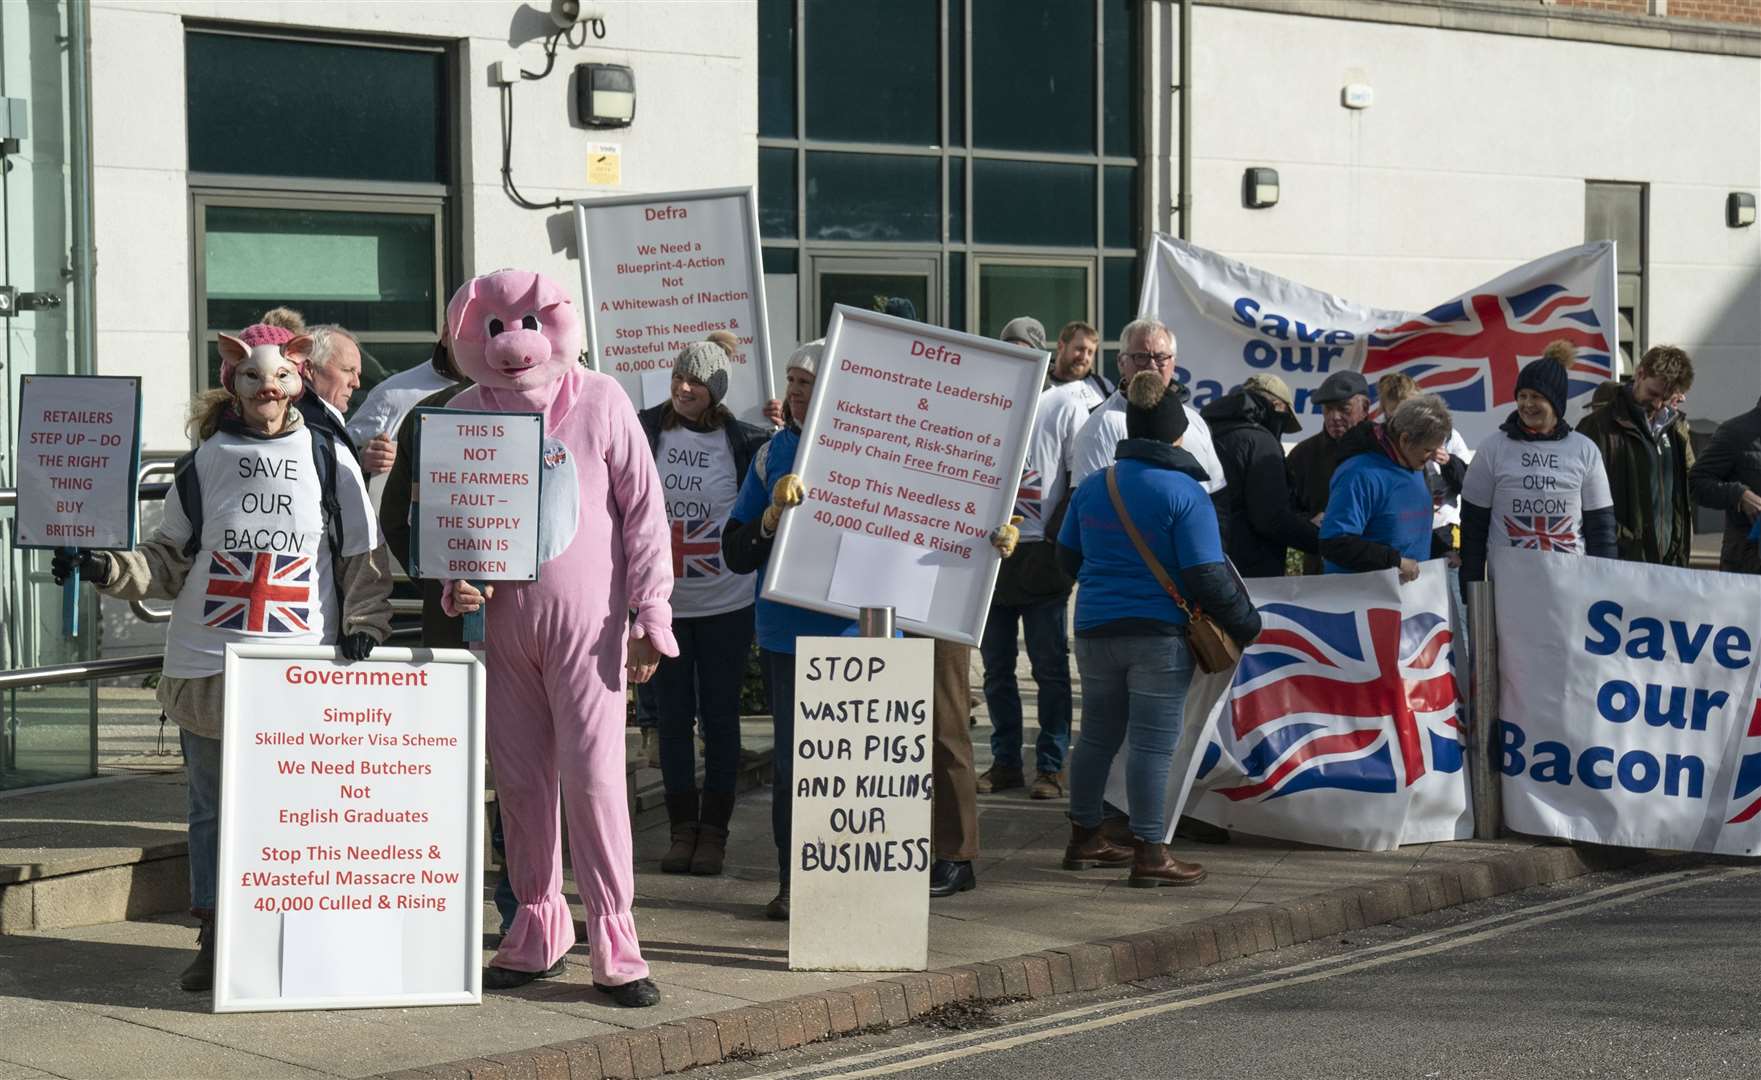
(475, 515)
(911, 454)
(79, 460)
(659, 271)
(864, 734)
(351, 830)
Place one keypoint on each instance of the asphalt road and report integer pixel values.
(1620, 975)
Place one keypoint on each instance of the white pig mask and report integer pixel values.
(267, 375)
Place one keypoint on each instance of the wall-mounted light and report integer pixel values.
(1259, 188)
(1357, 95)
(1739, 209)
(605, 95)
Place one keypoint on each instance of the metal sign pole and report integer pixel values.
(1483, 771)
(875, 622)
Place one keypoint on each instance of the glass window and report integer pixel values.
(957, 72)
(776, 193)
(1617, 212)
(957, 200)
(1121, 206)
(874, 197)
(366, 271)
(780, 260)
(268, 106)
(956, 291)
(1029, 202)
(776, 68)
(1053, 294)
(874, 71)
(1119, 77)
(870, 291)
(1033, 76)
(1119, 287)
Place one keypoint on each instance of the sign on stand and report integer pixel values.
(351, 830)
(78, 461)
(477, 476)
(864, 731)
(661, 271)
(911, 455)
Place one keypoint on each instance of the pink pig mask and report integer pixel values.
(263, 363)
(513, 329)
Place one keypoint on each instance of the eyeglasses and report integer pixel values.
(1158, 358)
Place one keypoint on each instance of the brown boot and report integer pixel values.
(1089, 848)
(199, 975)
(1152, 866)
(1000, 778)
(1047, 785)
(681, 810)
(712, 833)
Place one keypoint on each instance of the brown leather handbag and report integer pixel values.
(1212, 647)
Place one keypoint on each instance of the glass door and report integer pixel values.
(869, 282)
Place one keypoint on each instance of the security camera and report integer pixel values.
(566, 13)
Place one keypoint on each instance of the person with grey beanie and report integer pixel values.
(701, 451)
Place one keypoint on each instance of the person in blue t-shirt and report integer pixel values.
(1379, 508)
(1131, 649)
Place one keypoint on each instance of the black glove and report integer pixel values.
(93, 566)
(357, 646)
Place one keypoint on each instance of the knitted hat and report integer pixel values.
(1547, 378)
(253, 335)
(806, 357)
(707, 362)
(1151, 412)
(726, 340)
(1026, 329)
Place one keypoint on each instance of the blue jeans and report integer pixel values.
(1133, 695)
(201, 761)
(782, 754)
(703, 681)
(1048, 653)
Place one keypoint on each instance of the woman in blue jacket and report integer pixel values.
(1379, 508)
(1131, 648)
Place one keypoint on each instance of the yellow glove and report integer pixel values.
(1006, 537)
(788, 492)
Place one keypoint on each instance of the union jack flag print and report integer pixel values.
(1541, 532)
(697, 548)
(258, 592)
(1745, 799)
(1470, 349)
(1028, 496)
(1355, 700)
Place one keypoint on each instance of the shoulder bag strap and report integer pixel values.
(1143, 549)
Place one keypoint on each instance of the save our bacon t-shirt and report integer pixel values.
(1537, 491)
(698, 481)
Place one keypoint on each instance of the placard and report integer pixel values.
(864, 733)
(914, 441)
(351, 830)
(475, 515)
(79, 459)
(660, 271)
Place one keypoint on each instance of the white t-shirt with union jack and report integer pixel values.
(262, 571)
(1537, 491)
(1062, 410)
(698, 481)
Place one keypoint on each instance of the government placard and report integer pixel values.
(661, 271)
(476, 506)
(911, 454)
(351, 830)
(79, 459)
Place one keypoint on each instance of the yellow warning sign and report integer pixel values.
(603, 164)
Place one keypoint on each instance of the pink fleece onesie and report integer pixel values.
(555, 647)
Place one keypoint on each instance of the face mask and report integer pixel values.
(265, 373)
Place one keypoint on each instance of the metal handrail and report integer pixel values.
(141, 609)
(116, 667)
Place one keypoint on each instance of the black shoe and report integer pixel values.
(199, 975)
(632, 995)
(948, 877)
(500, 978)
(778, 908)
(1201, 832)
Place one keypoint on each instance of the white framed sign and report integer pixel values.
(475, 515)
(79, 460)
(660, 271)
(864, 733)
(911, 454)
(351, 830)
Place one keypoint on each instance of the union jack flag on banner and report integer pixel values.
(1541, 532)
(697, 548)
(1340, 726)
(258, 592)
(1028, 496)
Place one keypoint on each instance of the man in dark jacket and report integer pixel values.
(1645, 448)
(1253, 509)
(1728, 477)
(1344, 399)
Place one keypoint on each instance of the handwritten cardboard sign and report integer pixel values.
(476, 506)
(79, 458)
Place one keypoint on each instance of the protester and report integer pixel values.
(1647, 451)
(1444, 475)
(332, 372)
(1032, 590)
(702, 452)
(1254, 509)
(1146, 345)
(382, 413)
(1344, 398)
(1535, 483)
(1378, 516)
(1131, 645)
(1727, 476)
(246, 429)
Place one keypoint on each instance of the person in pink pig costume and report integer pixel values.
(556, 650)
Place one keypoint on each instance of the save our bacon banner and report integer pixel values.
(1628, 702)
(1232, 320)
(1339, 726)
